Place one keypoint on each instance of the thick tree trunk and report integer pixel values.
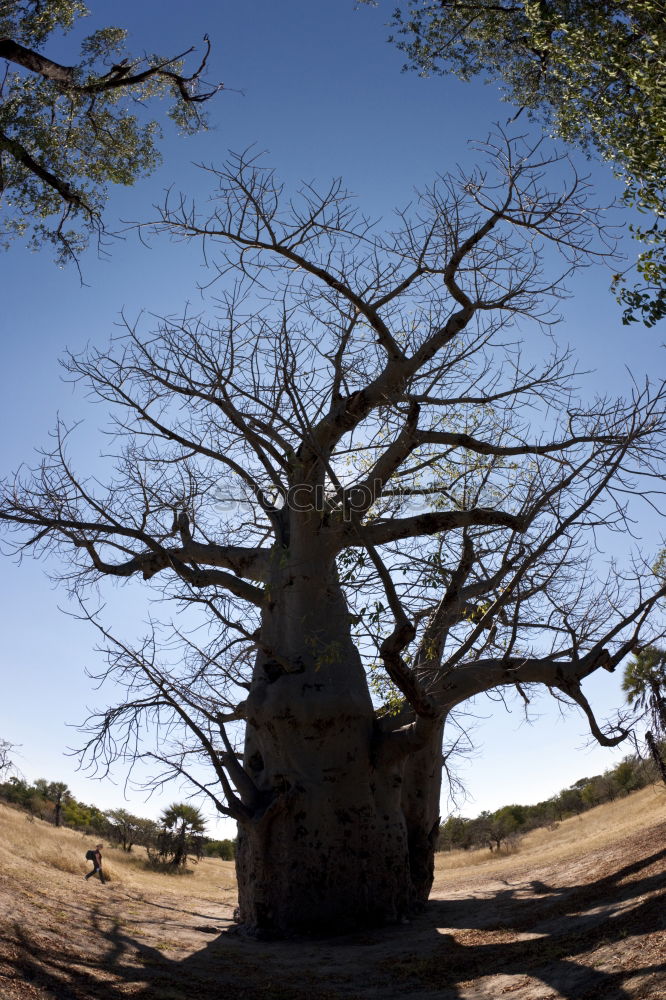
(329, 848)
(332, 859)
(421, 789)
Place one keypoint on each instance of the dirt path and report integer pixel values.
(593, 929)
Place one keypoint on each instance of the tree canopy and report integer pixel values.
(67, 132)
(594, 70)
(369, 504)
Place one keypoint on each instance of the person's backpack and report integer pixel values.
(91, 856)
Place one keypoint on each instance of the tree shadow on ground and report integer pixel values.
(455, 942)
(526, 903)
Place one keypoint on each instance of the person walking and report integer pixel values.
(96, 858)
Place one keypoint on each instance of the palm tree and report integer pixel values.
(183, 823)
(645, 684)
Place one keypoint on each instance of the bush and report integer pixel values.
(223, 849)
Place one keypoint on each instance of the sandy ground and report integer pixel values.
(589, 925)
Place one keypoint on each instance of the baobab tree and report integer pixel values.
(371, 504)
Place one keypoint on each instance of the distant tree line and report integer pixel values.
(52, 801)
(177, 835)
(505, 826)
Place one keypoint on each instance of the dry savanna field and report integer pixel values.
(577, 913)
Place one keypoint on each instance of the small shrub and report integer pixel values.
(153, 863)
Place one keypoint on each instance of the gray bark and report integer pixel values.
(421, 789)
(328, 846)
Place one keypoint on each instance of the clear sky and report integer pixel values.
(315, 84)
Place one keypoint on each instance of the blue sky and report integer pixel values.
(314, 83)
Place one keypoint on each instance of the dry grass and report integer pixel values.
(593, 829)
(26, 843)
(562, 919)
